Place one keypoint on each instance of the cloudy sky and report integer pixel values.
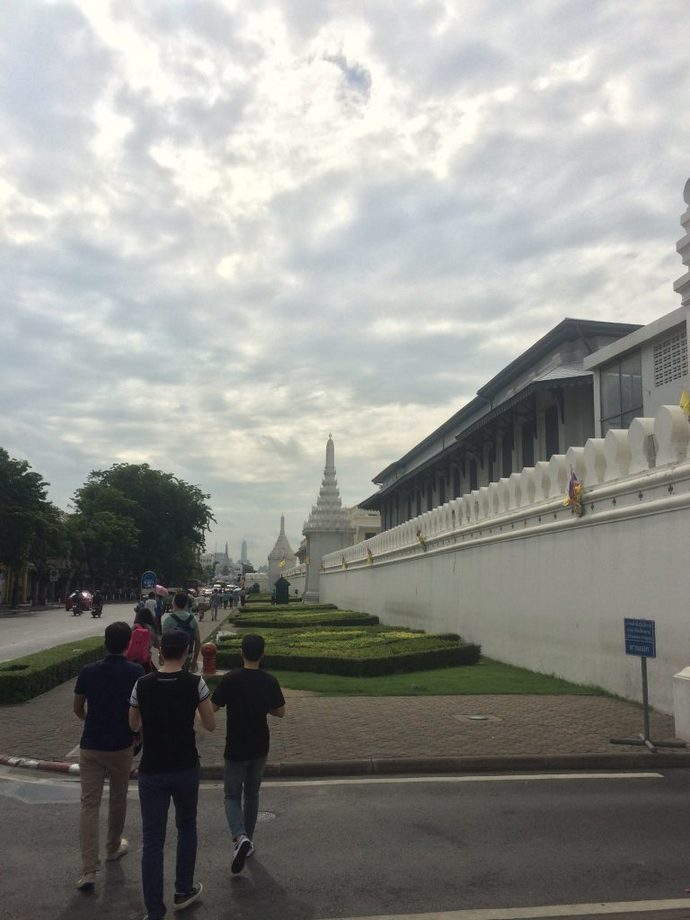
(228, 227)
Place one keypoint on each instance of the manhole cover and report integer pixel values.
(478, 717)
(265, 816)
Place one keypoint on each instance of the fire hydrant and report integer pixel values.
(209, 654)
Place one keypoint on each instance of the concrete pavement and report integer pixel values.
(31, 631)
(454, 849)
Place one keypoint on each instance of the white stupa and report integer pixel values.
(281, 556)
(327, 527)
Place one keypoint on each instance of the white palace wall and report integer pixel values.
(509, 566)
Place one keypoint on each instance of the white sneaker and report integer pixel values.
(242, 848)
(251, 850)
(120, 852)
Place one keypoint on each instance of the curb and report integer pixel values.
(19, 611)
(396, 766)
(50, 766)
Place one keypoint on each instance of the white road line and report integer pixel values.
(530, 913)
(507, 778)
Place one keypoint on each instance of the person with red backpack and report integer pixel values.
(182, 618)
(144, 637)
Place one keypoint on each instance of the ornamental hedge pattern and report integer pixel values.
(24, 678)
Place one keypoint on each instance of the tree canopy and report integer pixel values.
(29, 524)
(131, 518)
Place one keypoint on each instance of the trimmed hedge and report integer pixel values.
(294, 607)
(353, 652)
(24, 678)
(334, 617)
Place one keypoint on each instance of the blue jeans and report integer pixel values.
(155, 792)
(243, 776)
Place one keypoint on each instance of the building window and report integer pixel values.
(409, 507)
(442, 490)
(456, 483)
(671, 359)
(551, 431)
(507, 451)
(419, 502)
(621, 392)
(491, 457)
(430, 496)
(473, 474)
(528, 444)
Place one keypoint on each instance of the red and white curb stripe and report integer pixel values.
(29, 763)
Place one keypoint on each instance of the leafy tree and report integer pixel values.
(30, 526)
(153, 520)
(103, 542)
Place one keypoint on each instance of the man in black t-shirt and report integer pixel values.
(249, 694)
(164, 704)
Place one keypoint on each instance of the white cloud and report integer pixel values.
(227, 228)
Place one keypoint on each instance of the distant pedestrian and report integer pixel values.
(181, 618)
(144, 639)
(150, 602)
(226, 598)
(215, 604)
(163, 705)
(250, 694)
(101, 699)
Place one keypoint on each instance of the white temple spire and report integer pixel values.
(327, 514)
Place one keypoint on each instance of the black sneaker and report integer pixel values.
(184, 900)
(242, 849)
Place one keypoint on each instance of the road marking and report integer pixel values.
(507, 778)
(531, 913)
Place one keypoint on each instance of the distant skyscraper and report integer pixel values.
(243, 554)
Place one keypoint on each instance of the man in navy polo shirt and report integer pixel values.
(101, 699)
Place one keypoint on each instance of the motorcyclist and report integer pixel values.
(97, 602)
(77, 602)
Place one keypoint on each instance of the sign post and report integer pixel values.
(640, 640)
(148, 582)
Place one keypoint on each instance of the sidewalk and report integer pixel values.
(327, 729)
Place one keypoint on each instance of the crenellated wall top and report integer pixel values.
(622, 461)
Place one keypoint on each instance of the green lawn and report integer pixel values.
(487, 676)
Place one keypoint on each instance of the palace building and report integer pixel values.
(537, 406)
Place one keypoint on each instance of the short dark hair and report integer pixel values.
(152, 594)
(181, 600)
(174, 643)
(144, 617)
(252, 647)
(117, 636)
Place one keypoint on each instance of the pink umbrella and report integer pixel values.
(161, 591)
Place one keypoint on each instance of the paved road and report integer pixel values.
(453, 849)
(24, 633)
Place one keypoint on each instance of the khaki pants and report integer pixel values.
(94, 766)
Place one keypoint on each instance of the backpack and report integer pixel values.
(139, 648)
(186, 625)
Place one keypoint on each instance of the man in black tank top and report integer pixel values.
(163, 706)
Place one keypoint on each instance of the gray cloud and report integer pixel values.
(224, 233)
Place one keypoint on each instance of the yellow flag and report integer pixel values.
(685, 402)
(282, 563)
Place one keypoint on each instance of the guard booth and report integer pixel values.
(282, 591)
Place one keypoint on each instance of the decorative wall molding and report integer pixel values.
(630, 473)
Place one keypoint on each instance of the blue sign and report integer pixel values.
(148, 581)
(640, 637)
